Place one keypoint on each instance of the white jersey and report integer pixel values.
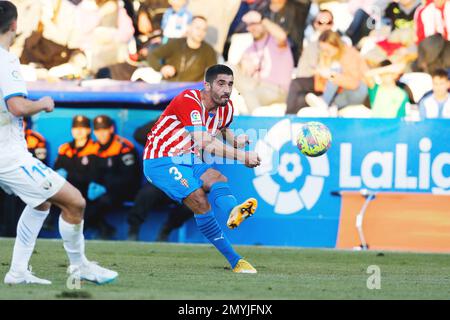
(12, 140)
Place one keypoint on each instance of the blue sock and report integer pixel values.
(208, 225)
(222, 199)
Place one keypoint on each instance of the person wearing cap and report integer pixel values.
(116, 177)
(75, 158)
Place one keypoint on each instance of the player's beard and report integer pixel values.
(221, 101)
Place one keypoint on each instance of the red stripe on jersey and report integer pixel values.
(169, 138)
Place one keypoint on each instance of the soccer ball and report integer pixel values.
(314, 139)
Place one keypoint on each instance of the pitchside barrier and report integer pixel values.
(383, 183)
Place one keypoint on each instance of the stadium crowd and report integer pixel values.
(356, 58)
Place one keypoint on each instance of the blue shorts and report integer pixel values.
(177, 176)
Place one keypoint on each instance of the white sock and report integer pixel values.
(73, 238)
(30, 223)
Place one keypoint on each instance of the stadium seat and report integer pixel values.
(419, 83)
(355, 111)
(273, 110)
(313, 112)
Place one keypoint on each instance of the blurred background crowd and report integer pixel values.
(356, 58)
(326, 58)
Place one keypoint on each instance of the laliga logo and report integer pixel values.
(287, 198)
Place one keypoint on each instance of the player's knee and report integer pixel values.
(207, 184)
(202, 204)
(44, 206)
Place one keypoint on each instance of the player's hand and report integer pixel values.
(241, 141)
(47, 104)
(168, 71)
(252, 159)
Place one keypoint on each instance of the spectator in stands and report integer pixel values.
(433, 18)
(185, 59)
(175, 20)
(150, 198)
(387, 100)
(436, 103)
(393, 38)
(104, 31)
(116, 176)
(147, 23)
(323, 21)
(366, 17)
(401, 13)
(75, 159)
(306, 67)
(434, 53)
(339, 75)
(263, 74)
(291, 16)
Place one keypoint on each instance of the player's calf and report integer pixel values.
(198, 202)
(211, 177)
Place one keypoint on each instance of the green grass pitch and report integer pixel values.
(174, 271)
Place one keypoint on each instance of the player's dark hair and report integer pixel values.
(213, 71)
(8, 14)
(440, 73)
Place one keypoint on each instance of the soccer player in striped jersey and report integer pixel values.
(172, 158)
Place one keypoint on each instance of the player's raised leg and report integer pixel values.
(224, 201)
(197, 201)
(71, 223)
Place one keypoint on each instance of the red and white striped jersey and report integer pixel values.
(170, 136)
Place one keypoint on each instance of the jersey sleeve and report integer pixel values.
(11, 81)
(189, 111)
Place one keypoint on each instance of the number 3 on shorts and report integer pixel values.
(177, 174)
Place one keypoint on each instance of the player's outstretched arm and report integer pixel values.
(217, 147)
(237, 142)
(22, 107)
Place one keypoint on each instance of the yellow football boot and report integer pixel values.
(244, 267)
(242, 212)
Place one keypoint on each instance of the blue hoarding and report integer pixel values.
(295, 193)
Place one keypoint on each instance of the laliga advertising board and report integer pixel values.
(295, 191)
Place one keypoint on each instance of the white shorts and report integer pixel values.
(31, 180)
